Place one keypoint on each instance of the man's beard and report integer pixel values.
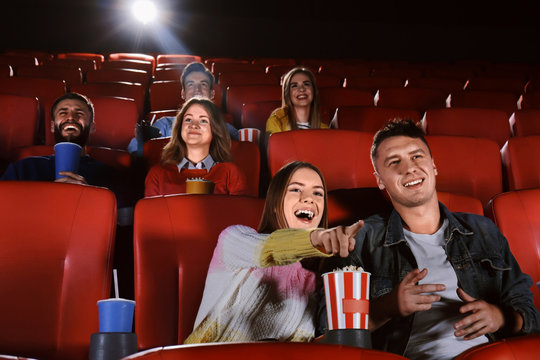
(80, 139)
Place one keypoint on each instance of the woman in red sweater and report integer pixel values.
(200, 147)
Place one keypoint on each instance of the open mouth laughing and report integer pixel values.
(304, 214)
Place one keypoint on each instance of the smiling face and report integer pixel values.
(301, 90)
(72, 122)
(197, 84)
(303, 203)
(405, 169)
(196, 129)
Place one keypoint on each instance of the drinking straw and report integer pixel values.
(115, 276)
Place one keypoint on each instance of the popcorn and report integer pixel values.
(350, 268)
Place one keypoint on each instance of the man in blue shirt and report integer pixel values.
(196, 80)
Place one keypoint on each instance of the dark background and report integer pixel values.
(383, 29)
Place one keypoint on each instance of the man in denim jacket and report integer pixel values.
(441, 282)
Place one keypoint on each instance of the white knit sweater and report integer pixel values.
(257, 289)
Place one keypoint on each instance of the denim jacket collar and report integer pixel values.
(394, 234)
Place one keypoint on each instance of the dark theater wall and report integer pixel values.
(409, 30)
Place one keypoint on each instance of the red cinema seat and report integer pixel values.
(333, 97)
(174, 238)
(500, 100)
(115, 122)
(174, 73)
(176, 59)
(84, 64)
(263, 351)
(255, 115)
(247, 78)
(514, 85)
(245, 154)
(472, 122)
(419, 99)
(115, 89)
(280, 70)
(519, 348)
(326, 80)
(129, 64)
(71, 75)
(112, 75)
(20, 118)
(41, 88)
(239, 95)
(517, 214)
(98, 58)
(267, 61)
(531, 100)
(227, 67)
(341, 155)
(521, 162)
(369, 118)
(467, 166)
(373, 83)
(446, 84)
(57, 255)
(6, 70)
(133, 56)
(525, 122)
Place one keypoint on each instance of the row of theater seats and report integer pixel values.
(472, 166)
(57, 251)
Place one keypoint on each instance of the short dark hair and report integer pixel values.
(397, 127)
(74, 96)
(197, 67)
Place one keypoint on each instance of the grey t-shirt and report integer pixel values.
(432, 335)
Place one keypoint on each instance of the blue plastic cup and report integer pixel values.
(116, 315)
(66, 157)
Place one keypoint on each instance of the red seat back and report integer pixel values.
(467, 166)
(505, 101)
(525, 122)
(57, 246)
(20, 119)
(239, 95)
(521, 163)
(264, 351)
(419, 99)
(255, 115)
(115, 89)
(341, 155)
(174, 238)
(370, 118)
(472, 122)
(517, 214)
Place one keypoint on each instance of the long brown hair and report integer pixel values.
(220, 147)
(286, 102)
(273, 217)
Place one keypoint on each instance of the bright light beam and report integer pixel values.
(145, 11)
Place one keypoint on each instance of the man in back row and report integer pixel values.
(72, 117)
(441, 282)
(196, 80)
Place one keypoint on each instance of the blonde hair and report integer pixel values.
(286, 102)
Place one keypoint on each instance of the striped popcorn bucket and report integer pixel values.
(347, 299)
(249, 134)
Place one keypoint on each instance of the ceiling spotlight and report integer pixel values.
(144, 10)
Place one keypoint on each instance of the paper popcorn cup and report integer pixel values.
(347, 299)
(249, 134)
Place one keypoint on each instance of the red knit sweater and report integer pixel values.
(165, 180)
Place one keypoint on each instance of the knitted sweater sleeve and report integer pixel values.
(243, 247)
